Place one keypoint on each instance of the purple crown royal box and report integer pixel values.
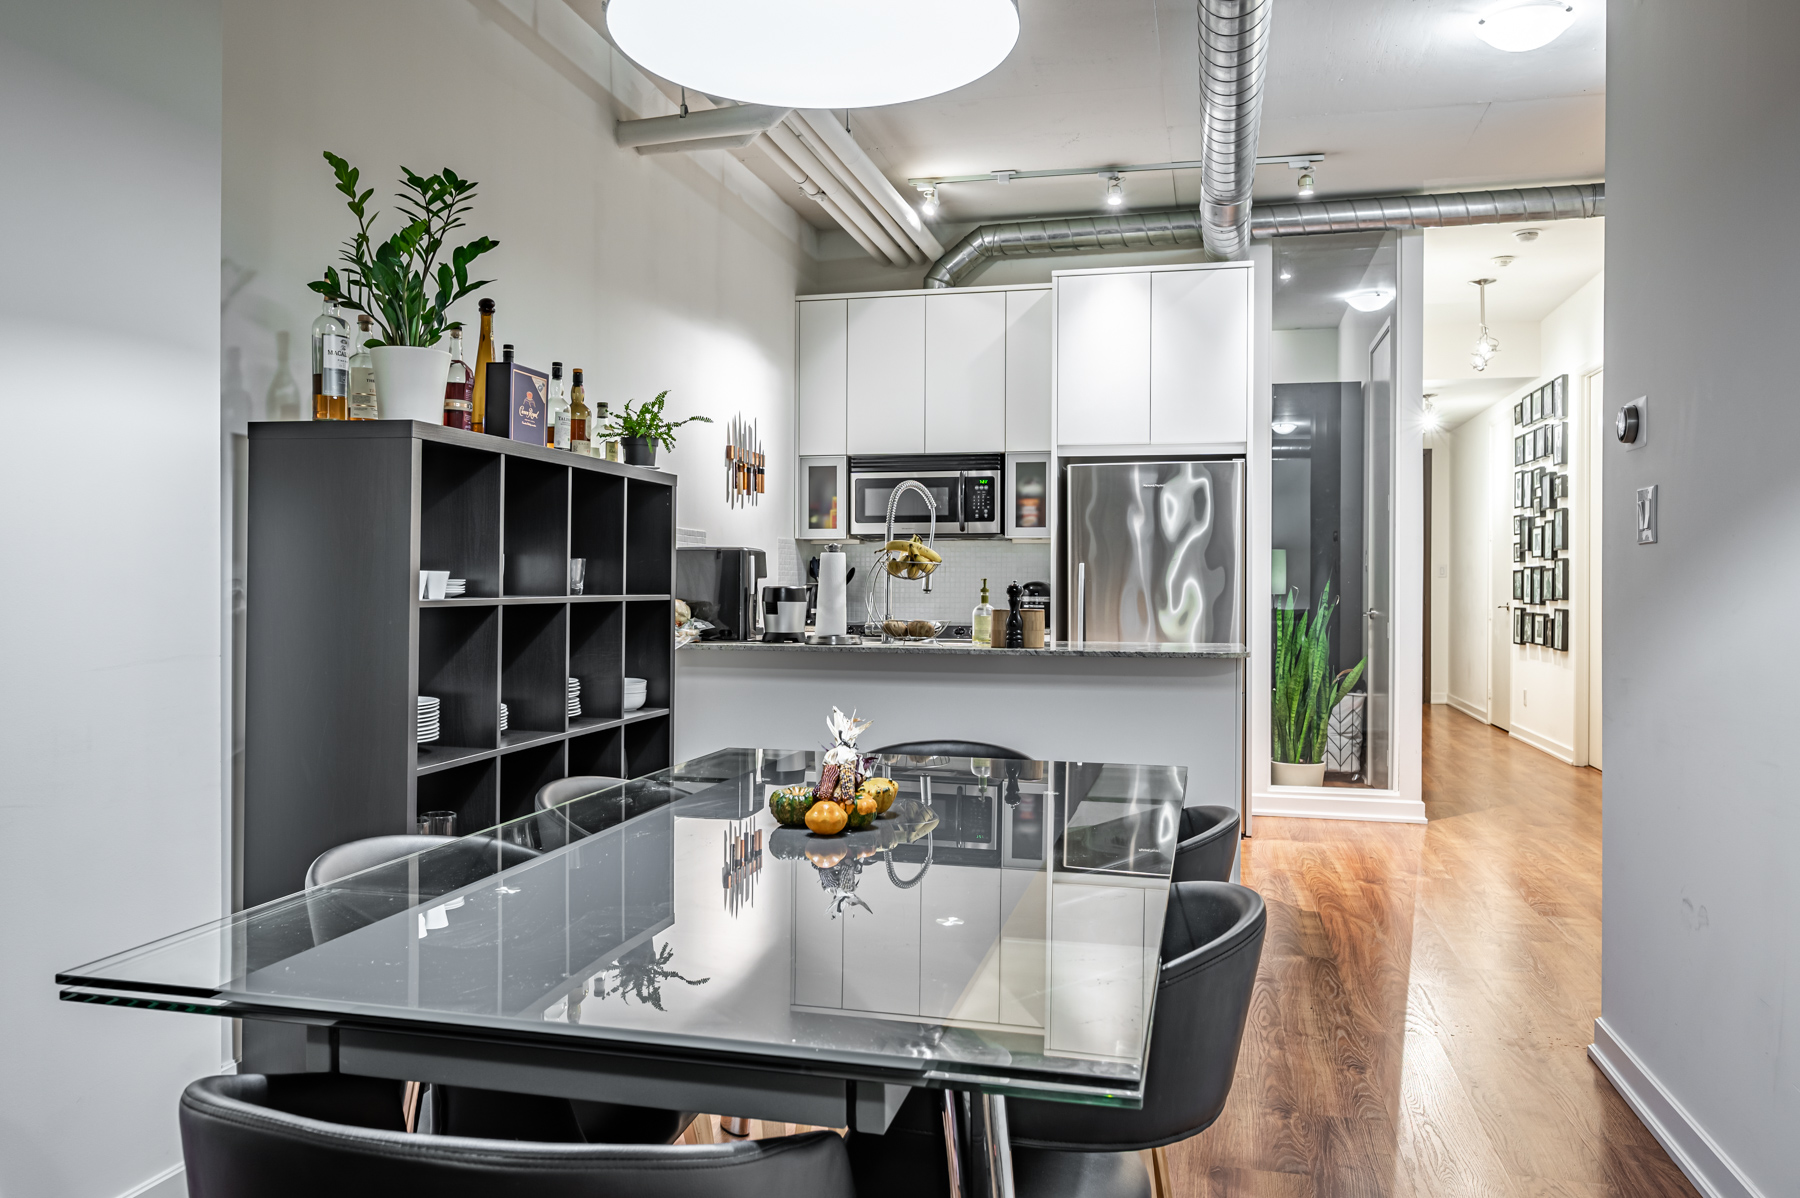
(526, 403)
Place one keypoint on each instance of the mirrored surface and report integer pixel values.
(998, 925)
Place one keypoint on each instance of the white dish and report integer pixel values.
(632, 703)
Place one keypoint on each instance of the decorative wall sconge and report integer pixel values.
(745, 464)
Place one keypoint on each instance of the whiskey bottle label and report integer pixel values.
(334, 364)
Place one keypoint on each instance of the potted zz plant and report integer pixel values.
(403, 287)
(1305, 691)
(640, 430)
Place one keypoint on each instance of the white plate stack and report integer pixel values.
(574, 697)
(635, 690)
(427, 729)
(503, 717)
(456, 588)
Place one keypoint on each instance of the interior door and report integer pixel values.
(1500, 566)
(1378, 555)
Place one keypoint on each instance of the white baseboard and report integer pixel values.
(1326, 802)
(1543, 744)
(1440, 696)
(170, 1183)
(1694, 1152)
(1469, 709)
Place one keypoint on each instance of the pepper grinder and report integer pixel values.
(1015, 622)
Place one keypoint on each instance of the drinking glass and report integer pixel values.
(577, 574)
(437, 823)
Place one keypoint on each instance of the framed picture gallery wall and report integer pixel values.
(1541, 519)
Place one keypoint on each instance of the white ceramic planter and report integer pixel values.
(1289, 773)
(409, 382)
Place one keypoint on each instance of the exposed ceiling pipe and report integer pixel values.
(793, 171)
(1165, 228)
(845, 175)
(825, 125)
(804, 158)
(1234, 58)
(711, 128)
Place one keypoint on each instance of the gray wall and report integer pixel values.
(1702, 826)
(110, 642)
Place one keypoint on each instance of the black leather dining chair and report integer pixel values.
(947, 748)
(1206, 844)
(553, 830)
(1212, 943)
(305, 1135)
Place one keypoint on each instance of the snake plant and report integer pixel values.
(1305, 692)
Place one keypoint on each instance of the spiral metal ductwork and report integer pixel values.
(1164, 229)
(1234, 59)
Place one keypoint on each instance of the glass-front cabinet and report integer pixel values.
(1028, 495)
(824, 499)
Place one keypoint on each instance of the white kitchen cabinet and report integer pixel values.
(1027, 371)
(959, 925)
(1103, 359)
(881, 947)
(886, 375)
(823, 375)
(1199, 356)
(824, 495)
(965, 372)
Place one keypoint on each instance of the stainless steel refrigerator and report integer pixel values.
(1154, 551)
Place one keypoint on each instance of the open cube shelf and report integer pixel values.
(343, 516)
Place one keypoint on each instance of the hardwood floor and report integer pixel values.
(1426, 998)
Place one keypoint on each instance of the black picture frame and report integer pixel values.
(1559, 389)
(1519, 413)
(1518, 584)
(1562, 579)
(1537, 539)
(1536, 406)
(1518, 489)
(1559, 630)
(1540, 500)
(1519, 450)
(1560, 442)
(1537, 584)
(1520, 617)
(1518, 551)
(1562, 486)
(1560, 523)
(1540, 628)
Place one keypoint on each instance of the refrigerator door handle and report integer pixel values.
(1079, 633)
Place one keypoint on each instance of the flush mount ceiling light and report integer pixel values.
(816, 53)
(1525, 27)
(1372, 300)
(1115, 194)
(1283, 428)
(1485, 345)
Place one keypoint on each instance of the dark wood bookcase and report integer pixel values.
(342, 517)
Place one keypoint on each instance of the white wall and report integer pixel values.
(1303, 355)
(1443, 515)
(1473, 524)
(110, 716)
(1701, 1020)
(1449, 332)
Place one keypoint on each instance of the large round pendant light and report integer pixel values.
(816, 53)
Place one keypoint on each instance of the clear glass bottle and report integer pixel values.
(363, 403)
(981, 623)
(605, 446)
(578, 416)
(283, 399)
(484, 353)
(330, 364)
(558, 415)
(459, 386)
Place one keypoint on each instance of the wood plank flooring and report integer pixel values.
(1426, 998)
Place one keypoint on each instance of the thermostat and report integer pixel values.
(1632, 426)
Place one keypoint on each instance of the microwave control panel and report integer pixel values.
(980, 498)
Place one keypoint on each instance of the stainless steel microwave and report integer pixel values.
(965, 487)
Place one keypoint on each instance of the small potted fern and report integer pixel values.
(1305, 692)
(641, 429)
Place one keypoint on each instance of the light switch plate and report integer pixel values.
(1646, 515)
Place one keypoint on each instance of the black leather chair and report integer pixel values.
(1207, 844)
(947, 748)
(553, 830)
(1212, 942)
(302, 1136)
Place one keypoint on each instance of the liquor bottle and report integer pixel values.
(363, 404)
(557, 418)
(283, 399)
(459, 386)
(604, 446)
(578, 416)
(330, 364)
(981, 624)
(484, 353)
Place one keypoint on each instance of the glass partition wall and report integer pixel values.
(1331, 513)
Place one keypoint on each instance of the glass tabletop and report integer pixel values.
(998, 927)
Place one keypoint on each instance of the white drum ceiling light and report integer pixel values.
(816, 53)
(1525, 27)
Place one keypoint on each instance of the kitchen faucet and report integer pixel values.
(887, 599)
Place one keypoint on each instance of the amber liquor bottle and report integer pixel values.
(484, 353)
(330, 365)
(578, 415)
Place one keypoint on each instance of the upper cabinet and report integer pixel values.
(886, 409)
(1028, 370)
(1154, 357)
(949, 371)
(965, 372)
(823, 334)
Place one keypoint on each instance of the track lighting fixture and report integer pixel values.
(1306, 183)
(930, 206)
(1115, 194)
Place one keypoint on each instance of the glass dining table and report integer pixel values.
(664, 942)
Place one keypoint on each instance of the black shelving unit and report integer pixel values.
(343, 516)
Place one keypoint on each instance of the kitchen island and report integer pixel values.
(1128, 702)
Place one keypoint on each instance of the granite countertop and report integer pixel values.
(964, 648)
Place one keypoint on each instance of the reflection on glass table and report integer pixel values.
(995, 933)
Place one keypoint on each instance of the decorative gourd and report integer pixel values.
(883, 790)
(790, 804)
(826, 818)
(825, 858)
(861, 813)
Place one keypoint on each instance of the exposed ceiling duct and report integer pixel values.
(708, 129)
(1234, 60)
(1167, 228)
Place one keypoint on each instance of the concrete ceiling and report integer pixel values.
(1542, 274)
